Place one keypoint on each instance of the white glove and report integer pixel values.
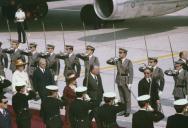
(86, 97)
(160, 93)
(116, 101)
(129, 86)
(2, 78)
(186, 97)
(55, 78)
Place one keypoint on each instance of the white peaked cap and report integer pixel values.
(21, 83)
(143, 98)
(80, 89)
(181, 102)
(109, 94)
(52, 87)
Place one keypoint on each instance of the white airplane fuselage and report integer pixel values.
(128, 9)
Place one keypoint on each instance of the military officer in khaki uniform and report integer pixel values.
(53, 62)
(157, 73)
(89, 59)
(124, 77)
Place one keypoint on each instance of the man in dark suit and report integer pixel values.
(181, 81)
(50, 108)
(89, 59)
(94, 84)
(149, 86)
(21, 106)
(16, 54)
(3, 61)
(5, 118)
(107, 112)
(157, 74)
(179, 120)
(41, 78)
(79, 109)
(144, 117)
(183, 56)
(124, 77)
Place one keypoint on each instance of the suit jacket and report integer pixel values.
(145, 119)
(41, 80)
(32, 63)
(124, 71)
(181, 84)
(13, 57)
(177, 121)
(4, 84)
(144, 88)
(53, 64)
(94, 88)
(158, 75)
(3, 62)
(5, 121)
(72, 64)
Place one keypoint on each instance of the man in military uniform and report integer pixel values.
(181, 81)
(179, 119)
(53, 62)
(21, 106)
(183, 56)
(144, 117)
(72, 63)
(16, 54)
(107, 112)
(89, 59)
(20, 18)
(124, 78)
(79, 109)
(3, 61)
(157, 73)
(33, 59)
(50, 108)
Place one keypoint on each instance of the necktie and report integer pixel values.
(96, 80)
(4, 113)
(149, 80)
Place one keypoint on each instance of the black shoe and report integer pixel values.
(126, 114)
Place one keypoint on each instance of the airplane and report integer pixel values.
(100, 10)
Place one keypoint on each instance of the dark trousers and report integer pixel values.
(21, 32)
(23, 121)
(55, 122)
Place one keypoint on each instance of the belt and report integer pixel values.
(52, 117)
(24, 109)
(124, 74)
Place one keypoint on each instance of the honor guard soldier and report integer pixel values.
(88, 58)
(157, 73)
(79, 109)
(124, 78)
(144, 117)
(72, 63)
(4, 83)
(181, 81)
(20, 18)
(50, 108)
(15, 54)
(178, 120)
(183, 56)
(107, 112)
(5, 117)
(53, 62)
(33, 58)
(21, 106)
(149, 86)
(3, 61)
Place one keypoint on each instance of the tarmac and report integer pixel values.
(129, 34)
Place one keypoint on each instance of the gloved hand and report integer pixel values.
(2, 78)
(160, 93)
(55, 77)
(129, 86)
(86, 97)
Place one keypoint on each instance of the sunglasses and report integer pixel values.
(5, 102)
(151, 61)
(121, 52)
